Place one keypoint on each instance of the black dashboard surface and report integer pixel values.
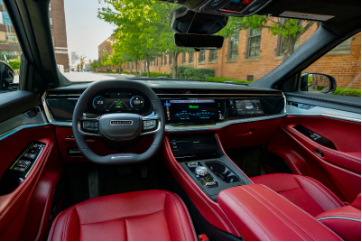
(184, 102)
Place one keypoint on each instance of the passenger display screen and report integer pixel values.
(191, 110)
(248, 107)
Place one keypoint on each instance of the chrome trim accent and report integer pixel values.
(323, 112)
(110, 122)
(344, 218)
(221, 95)
(121, 157)
(181, 128)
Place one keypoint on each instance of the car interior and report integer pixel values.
(183, 160)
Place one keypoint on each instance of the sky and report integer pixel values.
(84, 30)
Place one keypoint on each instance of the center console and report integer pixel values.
(203, 159)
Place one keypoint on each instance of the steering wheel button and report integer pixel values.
(149, 124)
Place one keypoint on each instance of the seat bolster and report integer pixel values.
(345, 221)
(66, 226)
(320, 194)
(178, 219)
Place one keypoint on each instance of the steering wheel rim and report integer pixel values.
(120, 158)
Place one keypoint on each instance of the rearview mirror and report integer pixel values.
(316, 82)
(6, 75)
(199, 41)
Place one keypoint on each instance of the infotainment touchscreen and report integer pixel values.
(201, 110)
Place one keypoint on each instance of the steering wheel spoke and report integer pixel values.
(150, 124)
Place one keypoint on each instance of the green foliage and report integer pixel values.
(222, 79)
(198, 74)
(289, 29)
(15, 64)
(143, 28)
(347, 92)
(156, 74)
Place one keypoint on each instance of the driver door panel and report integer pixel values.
(18, 209)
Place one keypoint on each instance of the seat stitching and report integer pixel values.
(300, 210)
(188, 216)
(168, 225)
(320, 189)
(286, 216)
(249, 215)
(123, 218)
(65, 224)
(128, 229)
(179, 217)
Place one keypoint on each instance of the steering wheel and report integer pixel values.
(118, 127)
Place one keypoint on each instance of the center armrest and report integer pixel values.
(258, 213)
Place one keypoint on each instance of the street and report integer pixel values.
(90, 76)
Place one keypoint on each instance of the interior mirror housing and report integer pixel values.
(199, 41)
(6, 75)
(186, 21)
(317, 82)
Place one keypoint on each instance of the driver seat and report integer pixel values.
(145, 215)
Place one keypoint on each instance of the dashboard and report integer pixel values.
(183, 107)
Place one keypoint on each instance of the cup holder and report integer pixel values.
(222, 171)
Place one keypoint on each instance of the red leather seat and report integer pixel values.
(313, 197)
(345, 221)
(305, 192)
(145, 215)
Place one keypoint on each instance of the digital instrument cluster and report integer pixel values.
(121, 101)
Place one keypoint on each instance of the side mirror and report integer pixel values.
(316, 82)
(6, 75)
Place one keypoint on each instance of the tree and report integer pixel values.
(82, 62)
(290, 30)
(143, 30)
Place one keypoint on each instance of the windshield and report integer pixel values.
(116, 39)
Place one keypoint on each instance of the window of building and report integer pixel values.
(6, 18)
(170, 58)
(233, 46)
(11, 38)
(165, 59)
(50, 6)
(282, 45)
(253, 45)
(191, 57)
(202, 56)
(162, 60)
(183, 59)
(345, 45)
(250, 78)
(156, 61)
(51, 23)
(213, 55)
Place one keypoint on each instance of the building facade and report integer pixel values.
(9, 45)
(103, 48)
(252, 54)
(59, 32)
